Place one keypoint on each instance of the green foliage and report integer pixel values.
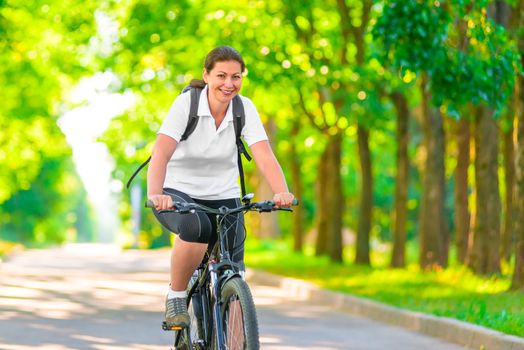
(48, 208)
(44, 48)
(467, 56)
(412, 34)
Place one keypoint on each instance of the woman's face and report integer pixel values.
(224, 81)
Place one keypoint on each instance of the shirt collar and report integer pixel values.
(204, 110)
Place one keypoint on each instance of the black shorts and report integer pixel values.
(201, 227)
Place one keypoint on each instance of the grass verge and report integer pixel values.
(453, 292)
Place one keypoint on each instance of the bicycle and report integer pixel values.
(217, 290)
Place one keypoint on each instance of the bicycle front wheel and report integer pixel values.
(239, 318)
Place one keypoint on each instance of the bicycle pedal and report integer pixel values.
(166, 327)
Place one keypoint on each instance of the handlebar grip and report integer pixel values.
(149, 204)
(295, 202)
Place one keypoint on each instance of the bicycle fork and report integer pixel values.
(216, 306)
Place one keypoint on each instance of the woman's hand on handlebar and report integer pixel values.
(283, 199)
(161, 201)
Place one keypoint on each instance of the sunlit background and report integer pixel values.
(395, 122)
(82, 127)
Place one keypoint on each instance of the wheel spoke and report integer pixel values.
(235, 325)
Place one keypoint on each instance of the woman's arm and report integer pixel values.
(268, 165)
(156, 173)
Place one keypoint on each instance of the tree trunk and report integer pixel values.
(323, 200)
(484, 257)
(462, 214)
(298, 215)
(336, 199)
(433, 229)
(518, 274)
(366, 197)
(508, 232)
(331, 201)
(398, 257)
(500, 11)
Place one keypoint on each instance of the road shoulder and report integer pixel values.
(452, 330)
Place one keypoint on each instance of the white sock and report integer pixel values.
(176, 294)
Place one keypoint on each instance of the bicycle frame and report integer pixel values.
(217, 270)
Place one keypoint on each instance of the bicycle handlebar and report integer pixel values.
(184, 207)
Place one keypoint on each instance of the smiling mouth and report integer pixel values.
(227, 92)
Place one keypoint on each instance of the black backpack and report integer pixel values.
(239, 119)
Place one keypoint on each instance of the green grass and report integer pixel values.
(453, 292)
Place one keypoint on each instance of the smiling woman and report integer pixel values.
(204, 169)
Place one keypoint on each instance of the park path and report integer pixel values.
(98, 297)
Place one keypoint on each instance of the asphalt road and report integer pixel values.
(97, 297)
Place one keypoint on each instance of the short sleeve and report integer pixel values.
(175, 122)
(253, 130)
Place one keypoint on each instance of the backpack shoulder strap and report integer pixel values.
(239, 120)
(193, 111)
(239, 115)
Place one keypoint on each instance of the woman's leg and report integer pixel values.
(185, 258)
(194, 231)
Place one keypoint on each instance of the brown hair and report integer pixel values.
(219, 54)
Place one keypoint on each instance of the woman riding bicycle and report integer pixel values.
(203, 169)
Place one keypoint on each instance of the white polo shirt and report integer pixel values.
(204, 166)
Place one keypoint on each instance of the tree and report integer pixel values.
(508, 151)
(366, 197)
(462, 214)
(495, 57)
(298, 217)
(504, 17)
(484, 255)
(412, 35)
(398, 257)
(518, 274)
(451, 76)
(462, 135)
